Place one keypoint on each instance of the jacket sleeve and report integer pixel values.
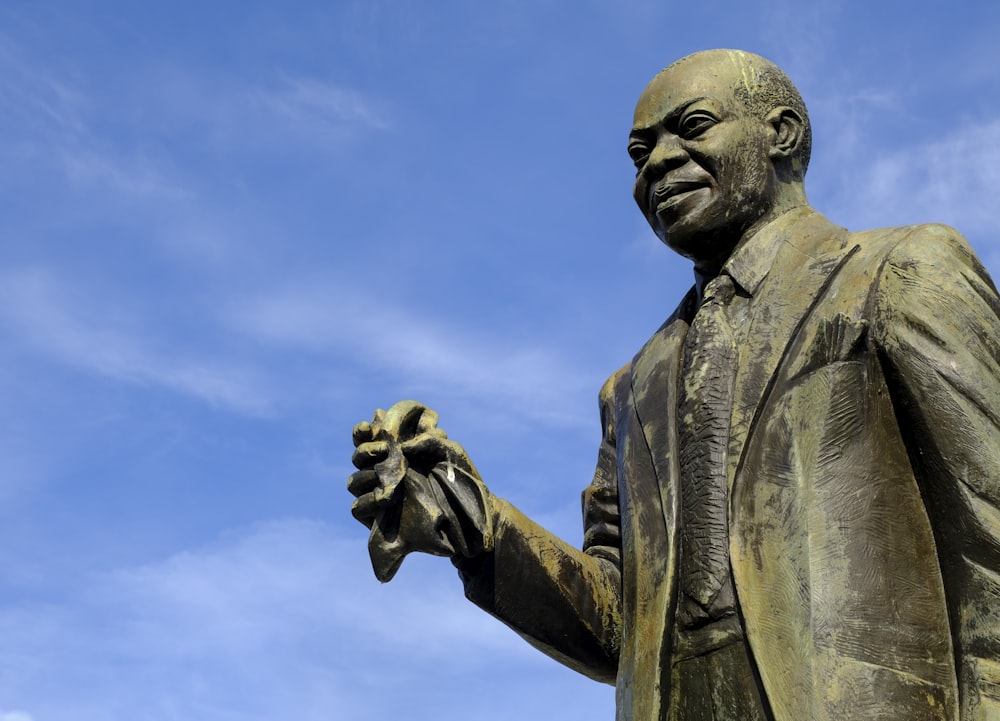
(564, 601)
(936, 318)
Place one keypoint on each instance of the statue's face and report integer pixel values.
(704, 175)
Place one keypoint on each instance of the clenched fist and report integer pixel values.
(416, 490)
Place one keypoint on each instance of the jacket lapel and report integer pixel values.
(655, 371)
(811, 255)
(810, 252)
(654, 400)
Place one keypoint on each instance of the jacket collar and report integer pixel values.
(750, 262)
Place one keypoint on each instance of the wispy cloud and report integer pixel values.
(290, 601)
(950, 180)
(44, 316)
(15, 716)
(86, 164)
(120, 138)
(49, 126)
(423, 352)
(221, 598)
(31, 94)
(282, 114)
(319, 106)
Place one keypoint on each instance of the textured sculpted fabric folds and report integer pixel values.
(708, 370)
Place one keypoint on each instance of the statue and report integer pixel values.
(796, 508)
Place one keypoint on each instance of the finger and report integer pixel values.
(428, 449)
(427, 421)
(431, 448)
(430, 435)
(378, 418)
(362, 433)
(432, 441)
(365, 509)
(368, 454)
(362, 482)
(402, 420)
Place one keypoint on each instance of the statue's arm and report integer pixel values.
(937, 320)
(564, 601)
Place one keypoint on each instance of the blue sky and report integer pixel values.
(230, 231)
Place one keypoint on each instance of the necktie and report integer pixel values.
(709, 366)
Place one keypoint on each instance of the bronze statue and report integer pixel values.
(796, 508)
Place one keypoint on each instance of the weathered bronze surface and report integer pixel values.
(796, 508)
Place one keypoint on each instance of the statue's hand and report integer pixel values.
(378, 455)
(417, 490)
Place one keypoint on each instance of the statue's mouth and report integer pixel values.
(666, 190)
(665, 195)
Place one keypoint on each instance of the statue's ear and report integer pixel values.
(788, 130)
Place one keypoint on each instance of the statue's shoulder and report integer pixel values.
(901, 260)
(612, 385)
(614, 390)
(926, 242)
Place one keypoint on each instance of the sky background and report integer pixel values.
(231, 230)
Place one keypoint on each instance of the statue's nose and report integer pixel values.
(667, 155)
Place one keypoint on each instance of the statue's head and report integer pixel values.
(721, 143)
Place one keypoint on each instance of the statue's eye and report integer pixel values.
(695, 123)
(639, 153)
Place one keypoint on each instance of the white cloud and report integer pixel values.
(286, 620)
(221, 599)
(87, 164)
(67, 134)
(50, 127)
(282, 115)
(949, 180)
(46, 317)
(320, 106)
(15, 716)
(30, 93)
(371, 330)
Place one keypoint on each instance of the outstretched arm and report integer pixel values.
(564, 601)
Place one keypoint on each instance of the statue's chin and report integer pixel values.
(703, 248)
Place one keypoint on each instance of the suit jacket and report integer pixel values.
(864, 504)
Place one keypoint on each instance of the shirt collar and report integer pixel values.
(753, 257)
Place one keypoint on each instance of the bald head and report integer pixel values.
(760, 85)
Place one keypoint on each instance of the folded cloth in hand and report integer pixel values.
(445, 513)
